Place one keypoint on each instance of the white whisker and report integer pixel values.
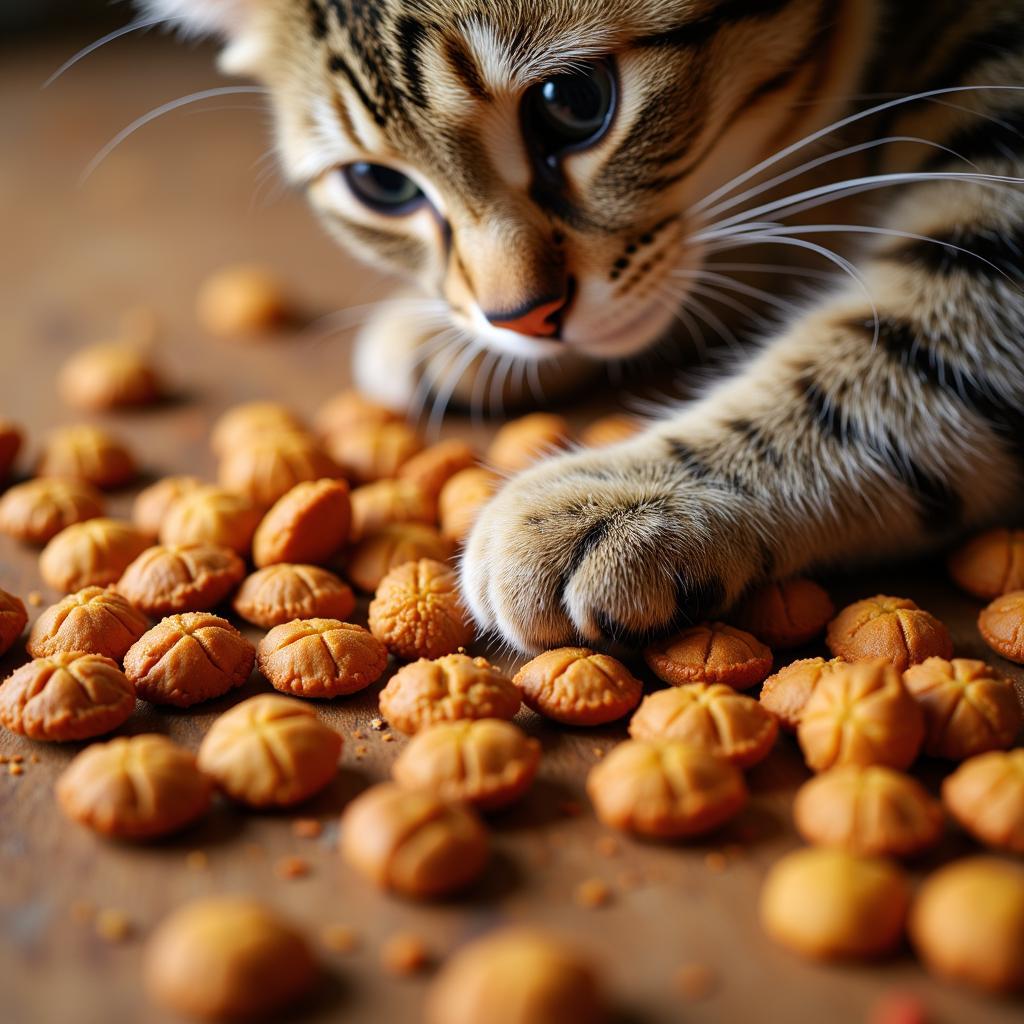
(459, 365)
(133, 26)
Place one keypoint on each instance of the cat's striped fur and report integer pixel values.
(883, 417)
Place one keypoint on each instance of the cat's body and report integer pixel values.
(884, 416)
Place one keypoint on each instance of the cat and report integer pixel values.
(550, 169)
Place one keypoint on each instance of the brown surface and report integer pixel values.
(175, 201)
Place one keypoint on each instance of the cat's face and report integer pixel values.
(530, 161)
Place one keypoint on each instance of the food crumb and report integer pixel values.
(112, 926)
(292, 867)
(3, 759)
(307, 828)
(82, 912)
(358, 734)
(598, 751)
(592, 893)
(36, 599)
(608, 846)
(388, 737)
(404, 953)
(197, 860)
(339, 938)
(377, 724)
(361, 750)
(17, 758)
(715, 861)
(695, 981)
(34, 758)
(16, 769)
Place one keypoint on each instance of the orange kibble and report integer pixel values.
(710, 653)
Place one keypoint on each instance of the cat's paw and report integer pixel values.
(608, 547)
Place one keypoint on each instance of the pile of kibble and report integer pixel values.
(303, 514)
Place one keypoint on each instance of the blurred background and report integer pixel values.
(53, 15)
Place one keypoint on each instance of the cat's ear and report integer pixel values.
(230, 20)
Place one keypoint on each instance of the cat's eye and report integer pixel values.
(570, 111)
(383, 188)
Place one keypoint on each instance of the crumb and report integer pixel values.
(404, 953)
(34, 758)
(307, 828)
(3, 759)
(607, 846)
(36, 599)
(292, 867)
(592, 893)
(358, 734)
(695, 981)
(197, 860)
(339, 938)
(388, 738)
(82, 912)
(598, 751)
(112, 926)
(361, 750)
(570, 808)
(16, 769)
(17, 758)
(715, 861)
(377, 724)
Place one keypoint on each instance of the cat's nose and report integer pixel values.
(537, 319)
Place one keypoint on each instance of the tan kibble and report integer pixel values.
(461, 499)
(413, 842)
(152, 503)
(553, 984)
(967, 924)
(66, 697)
(390, 501)
(990, 564)
(968, 707)
(242, 423)
(280, 593)
(523, 441)
(211, 515)
(417, 611)
(710, 653)
(38, 510)
(708, 715)
(785, 693)
(241, 300)
(1002, 626)
(451, 688)
(267, 467)
(433, 467)
(189, 658)
(373, 451)
(13, 620)
(609, 430)
(404, 953)
(986, 796)
(828, 904)
(893, 628)
(113, 925)
(227, 958)
(576, 686)
(871, 810)
(94, 620)
(787, 614)
(665, 789)
(136, 787)
(181, 578)
(308, 525)
(321, 658)
(349, 409)
(10, 444)
(90, 554)
(489, 762)
(109, 376)
(391, 546)
(270, 751)
(89, 454)
(592, 893)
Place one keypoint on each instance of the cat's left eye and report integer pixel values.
(383, 189)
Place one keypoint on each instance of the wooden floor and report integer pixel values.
(184, 195)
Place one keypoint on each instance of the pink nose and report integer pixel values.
(538, 321)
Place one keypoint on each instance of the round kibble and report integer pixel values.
(665, 789)
(37, 510)
(265, 468)
(788, 614)
(523, 441)
(241, 423)
(461, 499)
(391, 546)
(785, 693)
(90, 554)
(986, 796)
(94, 620)
(89, 454)
(413, 842)
(450, 688)
(152, 503)
(308, 525)
(189, 658)
(109, 376)
(609, 430)
(575, 686)
(433, 467)
(181, 578)
(10, 444)
(13, 620)
(712, 715)
(990, 564)
(211, 515)
(390, 501)
(136, 787)
(270, 751)
(280, 593)
(710, 653)
(349, 409)
(241, 300)
(321, 658)
(1001, 626)
(373, 451)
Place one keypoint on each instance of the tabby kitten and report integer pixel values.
(551, 169)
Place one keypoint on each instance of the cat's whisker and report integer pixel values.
(497, 396)
(742, 287)
(483, 378)
(442, 399)
(724, 299)
(138, 25)
(771, 268)
(438, 345)
(707, 316)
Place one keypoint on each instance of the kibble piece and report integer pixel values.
(708, 715)
(135, 787)
(109, 376)
(94, 620)
(13, 620)
(267, 467)
(270, 751)
(391, 546)
(575, 686)
(990, 564)
(308, 525)
(280, 593)
(188, 578)
(786, 693)
(710, 653)
(66, 697)
(153, 503)
(349, 409)
(404, 953)
(242, 423)
(321, 658)
(417, 611)
(968, 707)
(461, 499)
(986, 796)
(373, 451)
(553, 984)
(967, 923)
(38, 510)
(665, 789)
(389, 501)
(861, 714)
(211, 515)
(893, 628)
(10, 445)
(488, 762)
(1001, 626)
(787, 614)
(450, 688)
(227, 958)
(189, 658)
(90, 554)
(413, 841)
(523, 441)
(433, 467)
(89, 454)
(828, 904)
(609, 430)
(870, 810)
(240, 300)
